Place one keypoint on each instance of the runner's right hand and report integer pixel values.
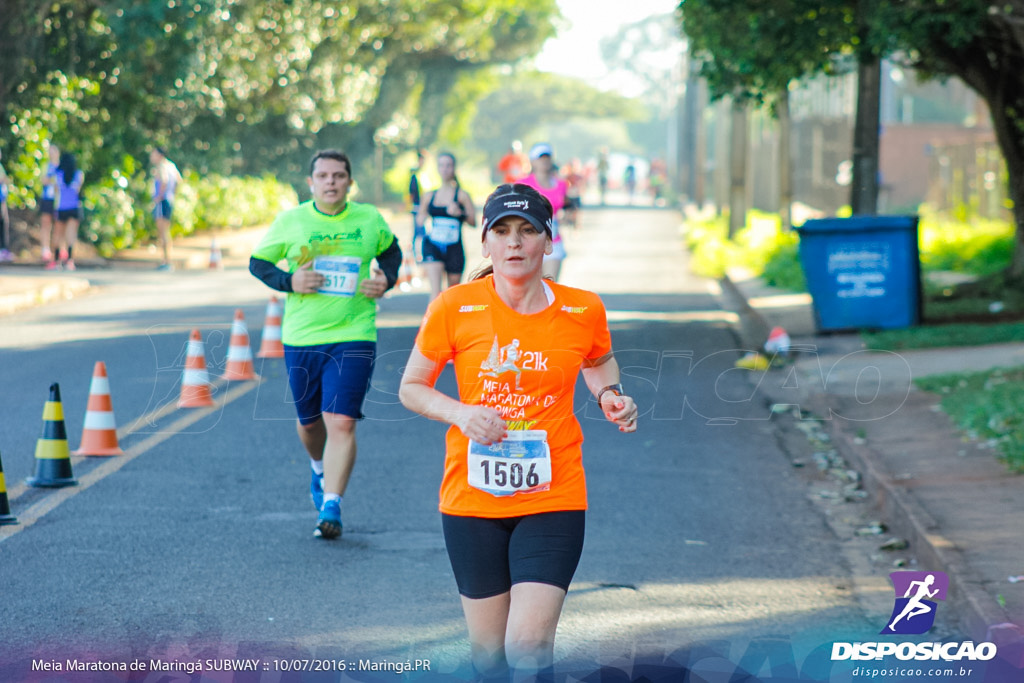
(305, 280)
(481, 424)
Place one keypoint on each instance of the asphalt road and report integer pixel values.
(197, 546)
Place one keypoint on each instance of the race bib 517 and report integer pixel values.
(341, 274)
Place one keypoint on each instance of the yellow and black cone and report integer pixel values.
(53, 457)
(5, 506)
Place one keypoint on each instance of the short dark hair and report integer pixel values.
(335, 154)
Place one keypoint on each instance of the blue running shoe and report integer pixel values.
(328, 525)
(316, 489)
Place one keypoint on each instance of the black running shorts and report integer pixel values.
(453, 256)
(488, 556)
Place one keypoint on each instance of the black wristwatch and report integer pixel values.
(615, 388)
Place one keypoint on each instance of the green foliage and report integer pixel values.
(711, 252)
(119, 215)
(938, 336)
(247, 88)
(235, 202)
(69, 114)
(987, 406)
(782, 266)
(976, 246)
(752, 51)
(115, 209)
(524, 100)
(762, 247)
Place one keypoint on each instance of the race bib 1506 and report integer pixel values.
(519, 464)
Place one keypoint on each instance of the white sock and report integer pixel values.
(317, 465)
(332, 496)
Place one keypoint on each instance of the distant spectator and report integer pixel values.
(545, 180)
(413, 201)
(629, 180)
(165, 181)
(5, 218)
(657, 179)
(448, 208)
(575, 181)
(47, 204)
(513, 165)
(602, 173)
(69, 179)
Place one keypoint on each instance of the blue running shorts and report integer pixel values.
(329, 378)
(163, 209)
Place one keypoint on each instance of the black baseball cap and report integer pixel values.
(522, 201)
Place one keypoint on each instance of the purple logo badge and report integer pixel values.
(916, 593)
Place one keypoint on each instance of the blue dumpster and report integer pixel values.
(862, 272)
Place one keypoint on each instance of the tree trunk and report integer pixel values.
(439, 77)
(785, 162)
(1011, 143)
(738, 169)
(690, 166)
(357, 139)
(864, 191)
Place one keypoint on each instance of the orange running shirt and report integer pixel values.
(525, 367)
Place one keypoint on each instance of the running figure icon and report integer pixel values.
(502, 360)
(915, 606)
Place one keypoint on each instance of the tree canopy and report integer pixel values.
(755, 51)
(234, 86)
(522, 101)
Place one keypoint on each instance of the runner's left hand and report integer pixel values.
(374, 286)
(620, 410)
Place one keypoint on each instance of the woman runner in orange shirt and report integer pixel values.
(513, 496)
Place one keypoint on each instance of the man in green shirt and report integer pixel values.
(329, 328)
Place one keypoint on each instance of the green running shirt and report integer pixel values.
(302, 234)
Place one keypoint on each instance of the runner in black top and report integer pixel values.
(448, 207)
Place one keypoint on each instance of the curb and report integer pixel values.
(753, 328)
(42, 292)
(978, 614)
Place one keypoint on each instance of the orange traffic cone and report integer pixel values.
(215, 256)
(53, 460)
(195, 381)
(239, 354)
(99, 435)
(5, 507)
(270, 341)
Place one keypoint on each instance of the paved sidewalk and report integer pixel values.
(955, 503)
(22, 288)
(25, 284)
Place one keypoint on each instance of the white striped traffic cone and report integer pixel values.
(270, 341)
(239, 365)
(195, 381)
(99, 435)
